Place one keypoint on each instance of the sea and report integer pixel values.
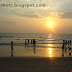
(49, 44)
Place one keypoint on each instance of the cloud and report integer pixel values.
(55, 8)
(35, 15)
(66, 15)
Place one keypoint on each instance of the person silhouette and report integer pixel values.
(63, 47)
(70, 41)
(11, 45)
(34, 42)
(25, 41)
(31, 41)
(69, 53)
(28, 41)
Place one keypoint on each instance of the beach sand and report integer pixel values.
(29, 64)
(25, 60)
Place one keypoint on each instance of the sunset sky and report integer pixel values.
(55, 17)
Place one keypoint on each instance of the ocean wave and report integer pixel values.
(49, 40)
(6, 36)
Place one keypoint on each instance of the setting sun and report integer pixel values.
(50, 24)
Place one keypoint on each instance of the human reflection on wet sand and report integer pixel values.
(11, 53)
(34, 49)
(66, 51)
(27, 48)
(62, 53)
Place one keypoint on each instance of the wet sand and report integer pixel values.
(37, 64)
(21, 51)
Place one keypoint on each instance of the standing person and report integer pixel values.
(63, 47)
(25, 41)
(66, 42)
(28, 41)
(34, 42)
(63, 41)
(31, 41)
(63, 44)
(70, 41)
(11, 45)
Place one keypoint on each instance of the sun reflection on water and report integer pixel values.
(50, 56)
(50, 48)
(50, 52)
(50, 45)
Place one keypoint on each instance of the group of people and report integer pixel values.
(65, 42)
(33, 41)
